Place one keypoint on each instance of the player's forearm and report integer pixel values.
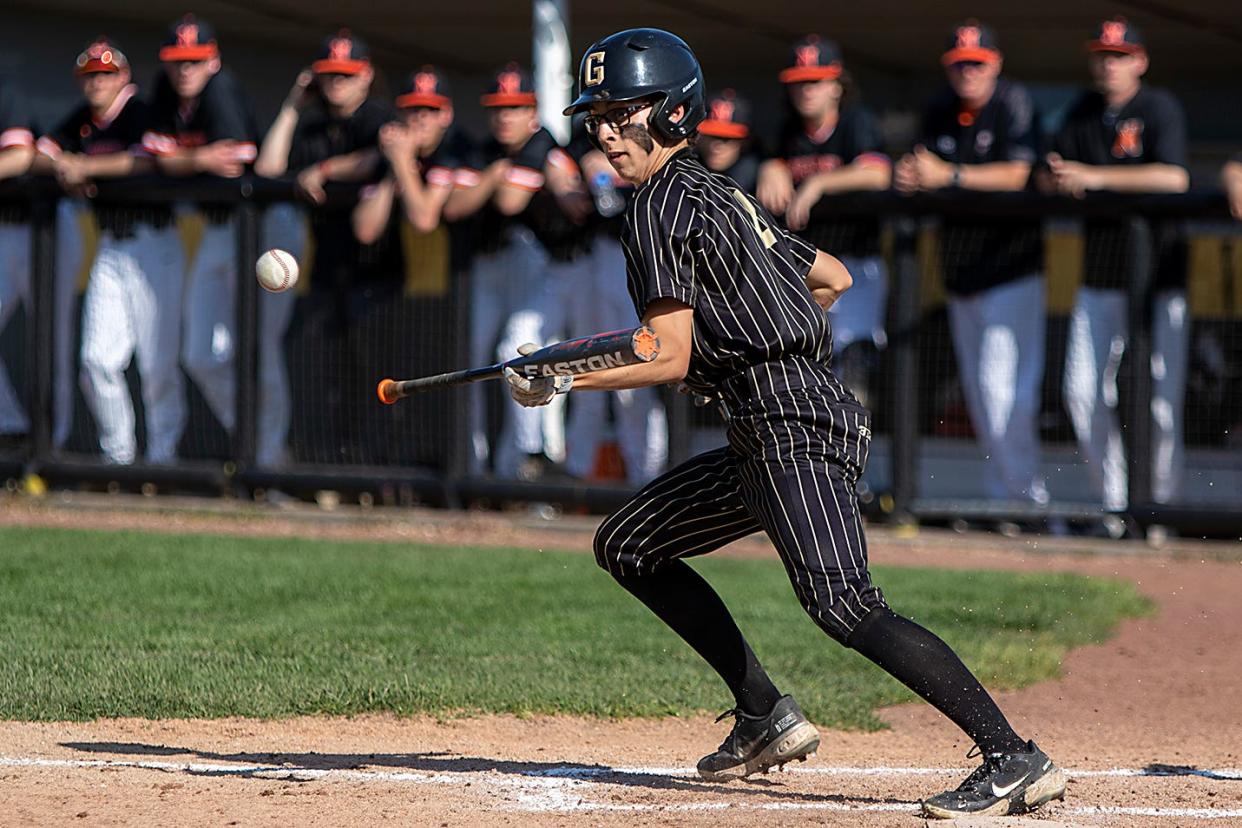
(673, 323)
(422, 204)
(998, 176)
(353, 166)
(827, 280)
(511, 200)
(16, 161)
(1143, 178)
(178, 164)
(856, 176)
(371, 215)
(114, 165)
(466, 201)
(273, 160)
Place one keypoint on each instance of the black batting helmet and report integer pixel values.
(644, 63)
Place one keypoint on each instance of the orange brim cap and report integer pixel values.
(724, 129)
(515, 99)
(799, 74)
(201, 51)
(976, 55)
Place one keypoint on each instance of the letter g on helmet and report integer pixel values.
(644, 63)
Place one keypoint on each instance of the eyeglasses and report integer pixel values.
(615, 118)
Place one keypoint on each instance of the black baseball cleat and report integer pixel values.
(1005, 784)
(757, 743)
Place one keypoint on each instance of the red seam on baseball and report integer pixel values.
(285, 284)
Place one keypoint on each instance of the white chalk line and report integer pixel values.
(560, 789)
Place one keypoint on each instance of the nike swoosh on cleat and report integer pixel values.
(1005, 791)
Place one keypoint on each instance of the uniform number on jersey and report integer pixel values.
(593, 74)
(764, 232)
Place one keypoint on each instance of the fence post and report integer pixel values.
(247, 354)
(903, 349)
(1138, 365)
(43, 296)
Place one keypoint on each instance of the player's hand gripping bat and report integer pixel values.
(573, 356)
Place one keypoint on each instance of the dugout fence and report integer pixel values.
(342, 337)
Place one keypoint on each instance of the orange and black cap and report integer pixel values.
(511, 86)
(427, 87)
(189, 39)
(1117, 35)
(728, 116)
(343, 53)
(971, 42)
(100, 55)
(812, 59)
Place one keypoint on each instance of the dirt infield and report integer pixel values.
(1148, 723)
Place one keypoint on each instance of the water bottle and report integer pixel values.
(608, 202)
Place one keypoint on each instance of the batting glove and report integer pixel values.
(534, 391)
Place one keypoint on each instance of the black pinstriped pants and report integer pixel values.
(790, 468)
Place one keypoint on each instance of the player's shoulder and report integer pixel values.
(1015, 99)
(1160, 102)
(224, 88)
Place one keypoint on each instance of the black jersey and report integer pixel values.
(978, 254)
(320, 135)
(745, 171)
(120, 129)
(695, 236)
(16, 130)
(220, 113)
(853, 136)
(339, 258)
(542, 215)
(1149, 129)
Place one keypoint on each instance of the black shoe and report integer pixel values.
(756, 743)
(1005, 784)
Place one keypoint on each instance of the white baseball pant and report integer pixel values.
(1098, 334)
(133, 308)
(998, 337)
(603, 304)
(507, 306)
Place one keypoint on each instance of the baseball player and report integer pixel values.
(827, 147)
(510, 289)
(132, 305)
(981, 134)
(1231, 180)
(16, 153)
(1126, 137)
(725, 140)
(737, 302)
(641, 424)
(421, 156)
(201, 123)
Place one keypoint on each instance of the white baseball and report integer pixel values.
(277, 270)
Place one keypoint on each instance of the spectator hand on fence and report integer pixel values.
(222, 158)
(922, 170)
(310, 183)
(534, 391)
(807, 196)
(1071, 178)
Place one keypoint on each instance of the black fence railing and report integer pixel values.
(905, 482)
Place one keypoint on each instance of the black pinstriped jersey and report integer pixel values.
(694, 236)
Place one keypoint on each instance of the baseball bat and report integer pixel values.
(597, 352)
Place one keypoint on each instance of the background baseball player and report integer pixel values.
(640, 421)
(421, 159)
(509, 285)
(726, 143)
(132, 305)
(16, 153)
(737, 303)
(981, 133)
(830, 145)
(1126, 137)
(201, 123)
(327, 130)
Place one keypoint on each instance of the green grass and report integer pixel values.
(162, 626)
